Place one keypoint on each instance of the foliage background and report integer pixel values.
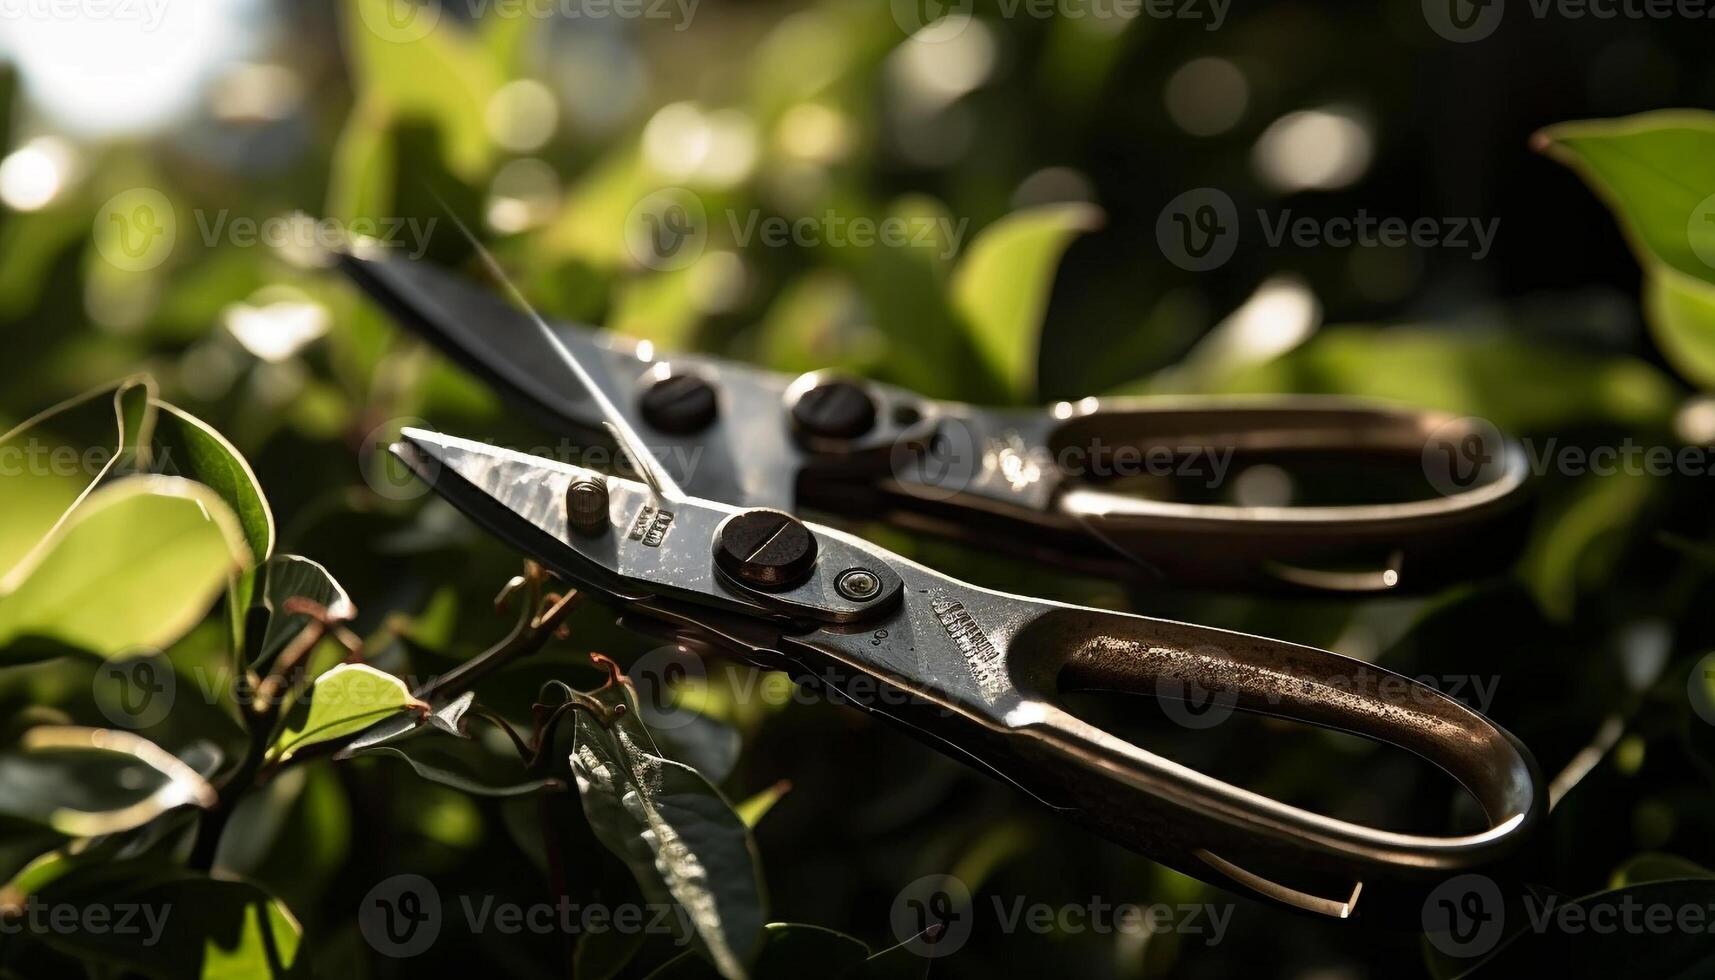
(1591, 635)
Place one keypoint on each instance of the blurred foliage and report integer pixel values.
(238, 457)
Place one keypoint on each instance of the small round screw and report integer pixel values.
(681, 404)
(834, 409)
(586, 506)
(858, 584)
(768, 549)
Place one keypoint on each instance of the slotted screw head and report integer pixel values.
(835, 409)
(680, 403)
(768, 549)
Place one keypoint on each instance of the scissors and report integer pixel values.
(976, 673)
(1044, 485)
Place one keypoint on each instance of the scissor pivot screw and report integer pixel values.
(586, 506)
(681, 404)
(767, 549)
(834, 409)
(858, 584)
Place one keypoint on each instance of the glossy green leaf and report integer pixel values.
(189, 447)
(1653, 172)
(151, 553)
(344, 701)
(681, 839)
(1003, 282)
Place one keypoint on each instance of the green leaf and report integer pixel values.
(40, 491)
(345, 701)
(789, 950)
(85, 782)
(1002, 286)
(291, 577)
(752, 811)
(1653, 172)
(191, 448)
(190, 927)
(446, 777)
(680, 838)
(440, 75)
(150, 553)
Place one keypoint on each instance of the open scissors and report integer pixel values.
(976, 673)
(1046, 485)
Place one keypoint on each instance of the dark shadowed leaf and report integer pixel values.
(189, 927)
